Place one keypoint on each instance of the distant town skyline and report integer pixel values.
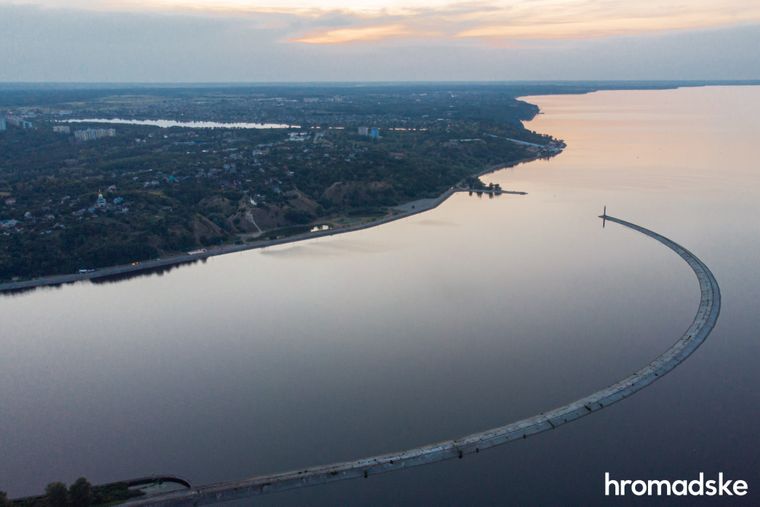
(386, 40)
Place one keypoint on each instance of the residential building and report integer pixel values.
(93, 134)
(18, 122)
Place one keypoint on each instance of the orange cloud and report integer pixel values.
(490, 21)
(558, 27)
(361, 34)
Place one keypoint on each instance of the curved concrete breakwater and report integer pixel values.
(703, 323)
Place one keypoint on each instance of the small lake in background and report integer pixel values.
(184, 124)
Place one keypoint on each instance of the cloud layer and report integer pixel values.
(340, 22)
(255, 40)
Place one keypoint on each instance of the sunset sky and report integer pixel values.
(318, 40)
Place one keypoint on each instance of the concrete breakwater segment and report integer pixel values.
(703, 323)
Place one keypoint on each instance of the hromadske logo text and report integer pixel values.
(696, 487)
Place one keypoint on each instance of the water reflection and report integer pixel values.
(143, 273)
(114, 278)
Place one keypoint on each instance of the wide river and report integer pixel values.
(477, 313)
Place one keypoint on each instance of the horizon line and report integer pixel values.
(387, 81)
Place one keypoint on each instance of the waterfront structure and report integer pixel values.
(62, 129)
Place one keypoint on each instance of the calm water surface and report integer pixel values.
(478, 313)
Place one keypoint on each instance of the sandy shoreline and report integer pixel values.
(405, 210)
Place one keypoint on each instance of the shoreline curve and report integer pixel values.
(700, 328)
(10, 288)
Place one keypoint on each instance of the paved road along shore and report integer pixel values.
(703, 323)
(403, 211)
(174, 260)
